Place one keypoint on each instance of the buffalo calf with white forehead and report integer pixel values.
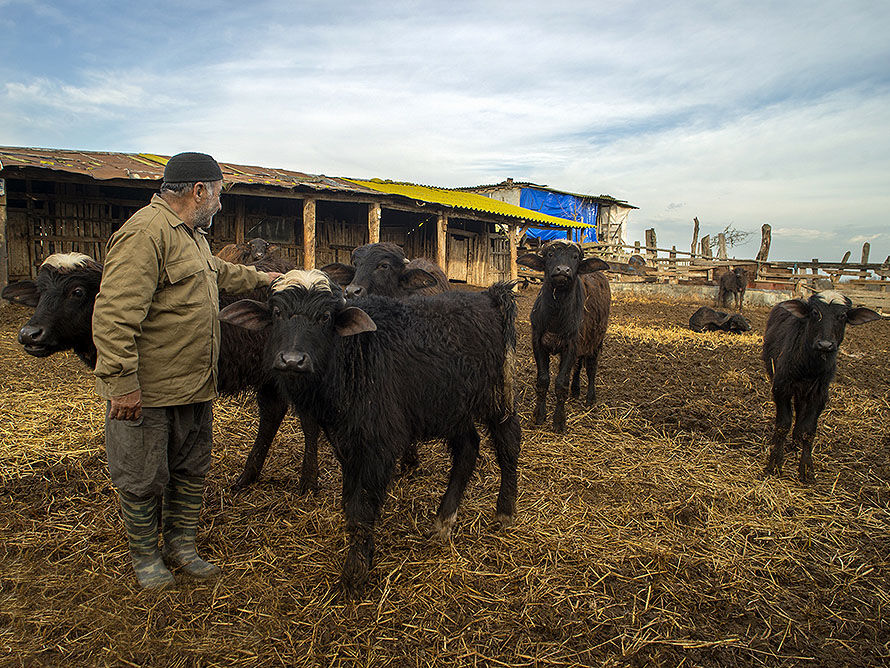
(800, 349)
(380, 373)
(569, 319)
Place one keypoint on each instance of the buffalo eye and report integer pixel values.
(383, 265)
(276, 312)
(78, 293)
(324, 318)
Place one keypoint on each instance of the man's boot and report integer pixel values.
(141, 521)
(182, 508)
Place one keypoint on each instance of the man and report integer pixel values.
(156, 329)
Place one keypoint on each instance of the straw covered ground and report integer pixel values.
(646, 535)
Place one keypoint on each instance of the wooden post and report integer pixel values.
(706, 246)
(695, 237)
(374, 214)
(240, 206)
(845, 258)
(308, 233)
(866, 247)
(651, 244)
(636, 247)
(672, 271)
(721, 246)
(513, 239)
(441, 239)
(815, 269)
(4, 253)
(765, 235)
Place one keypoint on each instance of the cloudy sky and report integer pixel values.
(740, 113)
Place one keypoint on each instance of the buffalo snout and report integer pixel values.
(354, 291)
(824, 346)
(30, 335)
(294, 362)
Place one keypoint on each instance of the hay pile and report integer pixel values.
(645, 535)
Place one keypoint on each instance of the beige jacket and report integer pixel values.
(155, 322)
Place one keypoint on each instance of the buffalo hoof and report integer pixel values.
(241, 484)
(354, 576)
(308, 485)
(504, 521)
(442, 527)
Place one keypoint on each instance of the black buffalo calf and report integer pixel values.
(379, 374)
(733, 282)
(383, 269)
(800, 349)
(707, 319)
(569, 319)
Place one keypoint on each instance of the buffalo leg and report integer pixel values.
(309, 469)
(783, 424)
(410, 459)
(576, 380)
(506, 436)
(542, 384)
(804, 433)
(273, 408)
(591, 364)
(364, 489)
(561, 390)
(464, 450)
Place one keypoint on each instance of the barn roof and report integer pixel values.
(148, 166)
(510, 184)
(465, 200)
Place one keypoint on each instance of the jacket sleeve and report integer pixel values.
(129, 281)
(238, 278)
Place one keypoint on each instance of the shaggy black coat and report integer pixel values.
(380, 373)
(383, 269)
(734, 283)
(800, 349)
(62, 320)
(707, 319)
(569, 318)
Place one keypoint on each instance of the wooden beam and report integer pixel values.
(765, 236)
(695, 236)
(866, 247)
(240, 206)
(441, 240)
(308, 233)
(4, 253)
(706, 246)
(721, 246)
(374, 214)
(513, 238)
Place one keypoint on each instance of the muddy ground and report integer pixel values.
(645, 535)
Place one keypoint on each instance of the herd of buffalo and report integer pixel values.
(381, 354)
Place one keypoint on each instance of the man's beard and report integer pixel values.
(205, 225)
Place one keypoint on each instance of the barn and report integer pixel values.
(606, 216)
(55, 200)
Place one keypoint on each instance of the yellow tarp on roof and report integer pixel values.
(465, 200)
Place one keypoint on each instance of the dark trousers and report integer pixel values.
(143, 453)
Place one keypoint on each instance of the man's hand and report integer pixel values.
(274, 275)
(126, 407)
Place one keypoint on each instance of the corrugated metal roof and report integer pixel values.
(103, 166)
(465, 200)
(510, 184)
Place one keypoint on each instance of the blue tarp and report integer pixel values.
(561, 206)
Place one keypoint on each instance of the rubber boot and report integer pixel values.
(182, 508)
(141, 521)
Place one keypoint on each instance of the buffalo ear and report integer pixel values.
(22, 292)
(248, 314)
(532, 261)
(352, 320)
(416, 279)
(796, 307)
(340, 273)
(861, 315)
(591, 265)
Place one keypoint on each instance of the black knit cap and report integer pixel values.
(192, 168)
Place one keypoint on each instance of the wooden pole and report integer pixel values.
(651, 245)
(374, 214)
(695, 236)
(721, 246)
(672, 275)
(308, 234)
(441, 239)
(513, 239)
(845, 258)
(4, 253)
(706, 246)
(240, 206)
(866, 247)
(765, 235)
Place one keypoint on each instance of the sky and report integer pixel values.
(738, 113)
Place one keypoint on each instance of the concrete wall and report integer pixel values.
(702, 293)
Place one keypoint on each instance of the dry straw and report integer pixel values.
(646, 534)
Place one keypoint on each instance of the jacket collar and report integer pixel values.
(172, 218)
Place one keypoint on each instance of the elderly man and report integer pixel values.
(157, 334)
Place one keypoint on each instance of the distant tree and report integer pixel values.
(732, 235)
